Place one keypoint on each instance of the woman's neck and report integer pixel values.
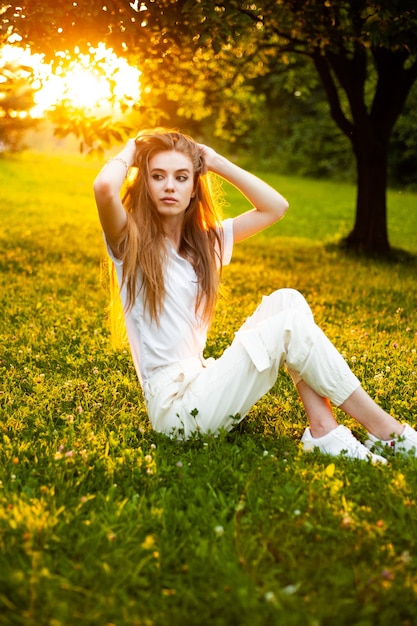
(173, 232)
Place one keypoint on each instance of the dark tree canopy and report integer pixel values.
(364, 52)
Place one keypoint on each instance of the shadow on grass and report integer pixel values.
(395, 255)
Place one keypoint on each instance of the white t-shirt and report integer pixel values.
(180, 334)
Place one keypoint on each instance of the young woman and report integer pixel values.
(168, 245)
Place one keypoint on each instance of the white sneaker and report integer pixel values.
(404, 443)
(340, 441)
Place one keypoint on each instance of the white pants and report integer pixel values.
(206, 396)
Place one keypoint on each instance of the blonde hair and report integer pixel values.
(143, 243)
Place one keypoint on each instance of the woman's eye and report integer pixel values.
(182, 179)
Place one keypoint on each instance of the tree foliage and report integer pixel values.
(209, 56)
(17, 90)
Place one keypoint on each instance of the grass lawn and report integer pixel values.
(103, 522)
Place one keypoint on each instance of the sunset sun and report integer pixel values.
(95, 82)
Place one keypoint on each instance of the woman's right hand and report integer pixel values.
(129, 152)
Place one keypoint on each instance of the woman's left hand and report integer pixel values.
(209, 156)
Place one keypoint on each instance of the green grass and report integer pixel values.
(104, 522)
(323, 211)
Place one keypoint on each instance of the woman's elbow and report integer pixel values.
(282, 208)
(100, 185)
(103, 190)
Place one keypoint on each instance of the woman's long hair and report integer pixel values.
(143, 243)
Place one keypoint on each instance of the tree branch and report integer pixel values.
(393, 86)
(328, 83)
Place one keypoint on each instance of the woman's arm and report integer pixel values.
(269, 205)
(107, 188)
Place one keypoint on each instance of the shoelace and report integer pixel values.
(353, 445)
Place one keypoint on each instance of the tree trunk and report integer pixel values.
(368, 128)
(370, 233)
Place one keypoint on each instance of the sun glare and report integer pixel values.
(95, 82)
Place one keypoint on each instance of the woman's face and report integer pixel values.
(171, 184)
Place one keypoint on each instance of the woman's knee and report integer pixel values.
(278, 302)
(287, 298)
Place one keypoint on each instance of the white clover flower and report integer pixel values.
(270, 596)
